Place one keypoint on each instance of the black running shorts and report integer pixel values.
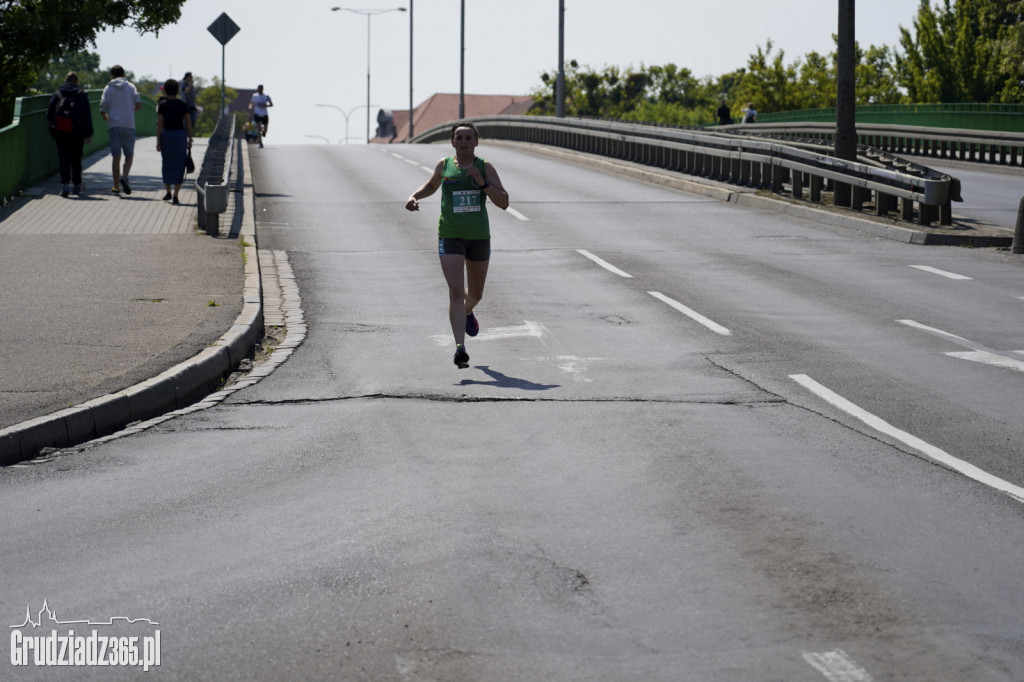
(472, 249)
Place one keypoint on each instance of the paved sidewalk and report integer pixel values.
(100, 292)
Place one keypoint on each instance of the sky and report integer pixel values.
(306, 54)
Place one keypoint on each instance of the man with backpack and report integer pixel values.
(71, 127)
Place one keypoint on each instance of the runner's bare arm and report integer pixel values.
(494, 189)
(426, 189)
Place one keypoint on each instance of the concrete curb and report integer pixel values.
(175, 388)
(901, 232)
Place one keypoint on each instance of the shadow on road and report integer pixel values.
(502, 381)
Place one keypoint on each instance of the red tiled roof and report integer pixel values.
(444, 107)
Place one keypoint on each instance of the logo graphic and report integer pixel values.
(94, 649)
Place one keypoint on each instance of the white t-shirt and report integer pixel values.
(260, 102)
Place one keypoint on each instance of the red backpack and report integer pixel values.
(63, 121)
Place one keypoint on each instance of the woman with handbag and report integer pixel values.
(173, 138)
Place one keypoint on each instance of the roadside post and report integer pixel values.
(1017, 246)
(223, 29)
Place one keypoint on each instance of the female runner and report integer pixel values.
(464, 236)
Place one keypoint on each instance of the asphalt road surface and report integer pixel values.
(695, 442)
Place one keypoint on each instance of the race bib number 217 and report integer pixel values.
(466, 201)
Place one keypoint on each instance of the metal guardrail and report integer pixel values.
(979, 146)
(959, 115)
(804, 170)
(27, 152)
(214, 177)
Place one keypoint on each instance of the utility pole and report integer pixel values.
(462, 63)
(846, 92)
(560, 82)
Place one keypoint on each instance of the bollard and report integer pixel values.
(1018, 234)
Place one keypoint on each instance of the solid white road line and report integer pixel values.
(936, 271)
(836, 666)
(604, 264)
(692, 314)
(516, 213)
(928, 450)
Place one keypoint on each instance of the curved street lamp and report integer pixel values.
(368, 13)
(346, 114)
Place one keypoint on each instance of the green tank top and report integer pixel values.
(463, 209)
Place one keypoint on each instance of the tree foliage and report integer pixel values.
(33, 33)
(91, 75)
(956, 51)
(208, 99)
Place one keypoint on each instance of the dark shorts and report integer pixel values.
(265, 119)
(472, 249)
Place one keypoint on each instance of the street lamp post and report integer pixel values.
(560, 82)
(346, 114)
(462, 62)
(368, 13)
(409, 136)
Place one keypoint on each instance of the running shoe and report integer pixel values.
(124, 185)
(461, 357)
(472, 326)
(65, 190)
(77, 189)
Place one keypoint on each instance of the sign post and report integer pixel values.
(223, 29)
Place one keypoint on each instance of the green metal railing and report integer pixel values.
(27, 152)
(996, 117)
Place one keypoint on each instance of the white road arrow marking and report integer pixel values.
(837, 666)
(978, 352)
(936, 271)
(535, 329)
(991, 359)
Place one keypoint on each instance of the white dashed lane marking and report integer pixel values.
(603, 263)
(516, 213)
(692, 314)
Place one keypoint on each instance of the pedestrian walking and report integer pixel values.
(749, 113)
(724, 115)
(464, 236)
(173, 138)
(188, 96)
(70, 120)
(118, 104)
